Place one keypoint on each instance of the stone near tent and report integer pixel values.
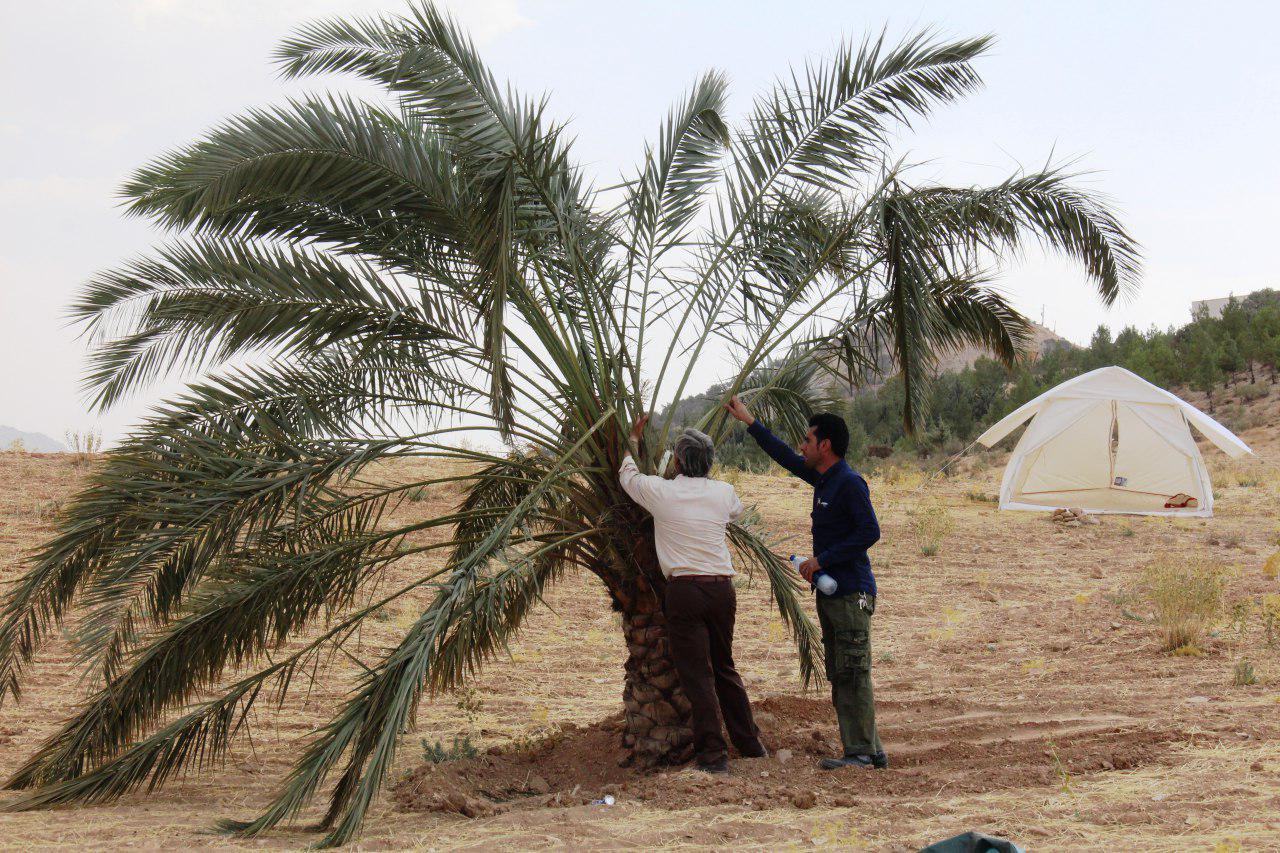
(1074, 517)
(1108, 441)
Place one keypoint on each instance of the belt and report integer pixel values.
(703, 578)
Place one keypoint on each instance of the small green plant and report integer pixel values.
(1185, 590)
(438, 753)
(470, 704)
(46, 511)
(980, 496)
(536, 739)
(418, 493)
(1243, 676)
(1271, 619)
(1126, 531)
(931, 523)
(1060, 769)
(1240, 612)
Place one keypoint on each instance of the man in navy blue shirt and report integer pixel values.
(844, 527)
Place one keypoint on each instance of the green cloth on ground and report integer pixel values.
(972, 842)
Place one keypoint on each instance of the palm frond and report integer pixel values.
(255, 600)
(677, 172)
(370, 723)
(752, 544)
(199, 304)
(1042, 206)
(290, 171)
(143, 519)
(199, 738)
(828, 123)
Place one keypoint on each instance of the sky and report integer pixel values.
(1171, 108)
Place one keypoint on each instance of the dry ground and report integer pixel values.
(1021, 692)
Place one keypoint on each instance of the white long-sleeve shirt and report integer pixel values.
(689, 519)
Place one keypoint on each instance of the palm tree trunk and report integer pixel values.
(656, 728)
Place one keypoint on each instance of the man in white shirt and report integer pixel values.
(690, 513)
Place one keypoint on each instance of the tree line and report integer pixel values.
(1237, 352)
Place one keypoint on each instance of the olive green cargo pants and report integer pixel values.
(846, 640)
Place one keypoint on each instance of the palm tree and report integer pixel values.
(357, 283)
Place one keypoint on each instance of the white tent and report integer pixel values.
(1109, 441)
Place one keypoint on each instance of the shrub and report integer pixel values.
(84, 445)
(1271, 618)
(438, 753)
(1271, 568)
(980, 496)
(906, 476)
(931, 523)
(1243, 676)
(418, 493)
(1185, 589)
(1253, 391)
(47, 511)
(470, 704)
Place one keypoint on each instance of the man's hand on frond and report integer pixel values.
(738, 409)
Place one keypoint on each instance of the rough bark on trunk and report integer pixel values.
(656, 730)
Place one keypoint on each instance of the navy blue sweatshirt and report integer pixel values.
(844, 522)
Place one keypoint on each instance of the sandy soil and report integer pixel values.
(1020, 684)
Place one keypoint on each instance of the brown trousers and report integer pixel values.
(700, 618)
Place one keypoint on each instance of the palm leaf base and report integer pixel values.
(656, 728)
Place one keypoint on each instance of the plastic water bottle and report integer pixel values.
(824, 582)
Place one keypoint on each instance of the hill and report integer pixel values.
(35, 442)
(1043, 340)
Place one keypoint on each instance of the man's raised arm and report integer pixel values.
(777, 449)
(644, 490)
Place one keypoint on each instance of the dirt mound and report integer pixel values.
(933, 745)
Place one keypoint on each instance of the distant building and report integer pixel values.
(1213, 307)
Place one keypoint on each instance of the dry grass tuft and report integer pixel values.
(727, 474)
(1243, 675)
(85, 446)
(1271, 568)
(931, 523)
(1185, 589)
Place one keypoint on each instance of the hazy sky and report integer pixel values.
(1173, 106)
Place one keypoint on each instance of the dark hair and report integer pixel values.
(829, 427)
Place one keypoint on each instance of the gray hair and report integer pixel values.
(695, 452)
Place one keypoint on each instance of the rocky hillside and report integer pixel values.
(1042, 340)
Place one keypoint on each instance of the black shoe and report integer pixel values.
(879, 761)
(721, 766)
(761, 752)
